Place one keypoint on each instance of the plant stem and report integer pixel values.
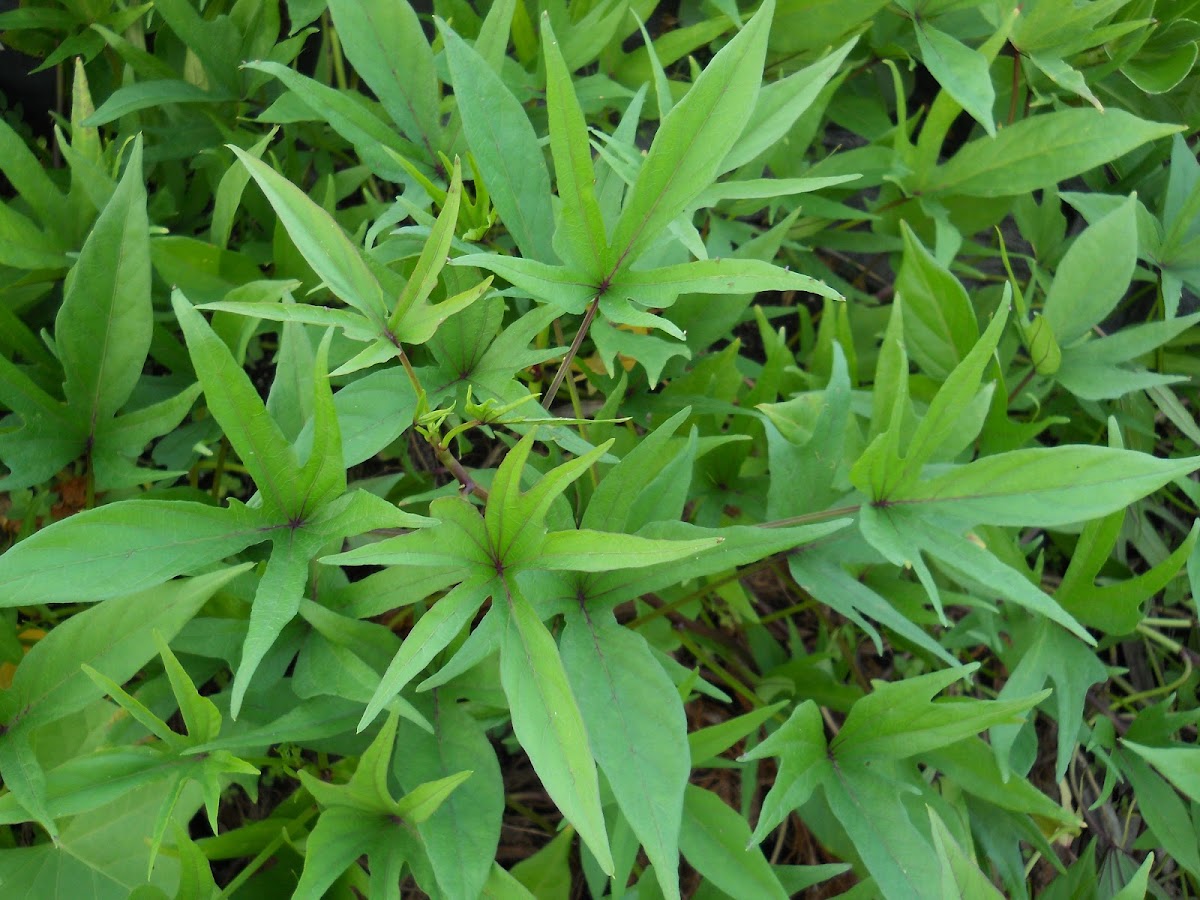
(563, 369)
(809, 518)
(443, 453)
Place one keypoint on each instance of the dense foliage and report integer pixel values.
(601, 448)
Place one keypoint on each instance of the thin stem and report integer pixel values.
(565, 367)
(1016, 87)
(267, 852)
(706, 659)
(1013, 394)
(219, 469)
(809, 518)
(90, 479)
(445, 457)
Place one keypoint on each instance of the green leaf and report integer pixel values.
(581, 232)
(30, 180)
(384, 42)
(462, 835)
(1180, 765)
(323, 475)
(215, 40)
(880, 471)
(1166, 815)
(1064, 76)
(660, 287)
(379, 146)
(114, 638)
(811, 25)
(320, 241)
(200, 715)
(341, 836)
(897, 720)
(637, 728)
(600, 551)
(103, 326)
(961, 875)
(49, 439)
(692, 141)
(766, 188)
(504, 146)
(432, 634)
(971, 765)
(1048, 653)
(228, 195)
(236, 405)
(939, 322)
(707, 743)
(84, 783)
(548, 723)
(567, 288)
(781, 103)
(1077, 299)
(1041, 151)
(104, 849)
(894, 849)
(1046, 486)
(429, 265)
(714, 839)
(961, 71)
(903, 535)
(547, 873)
(803, 764)
(121, 548)
(147, 95)
(276, 603)
(1117, 607)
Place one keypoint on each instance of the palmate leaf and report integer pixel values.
(102, 333)
(235, 403)
(323, 244)
(803, 756)
(48, 439)
(362, 816)
(480, 552)
(881, 470)
(780, 103)
(115, 638)
(905, 536)
(103, 327)
(377, 144)
(898, 720)
(692, 141)
(1048, 654)
(305, 506)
